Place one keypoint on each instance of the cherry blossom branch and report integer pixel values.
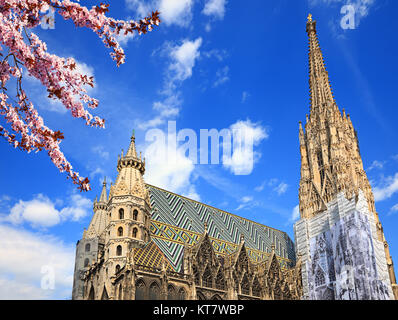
(59, 75)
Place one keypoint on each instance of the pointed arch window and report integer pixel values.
(154, 291)
(135, 214)
(220, 281)
(182, 294)
(120, 231)
(140, 290)
(121, 213)
(196, 275)
(207, 280)
(117, 269)
(119, 250)
(245, 285)
(171, 293)
(86, 262)
(135, 231)
(256, 290)
(87, 248)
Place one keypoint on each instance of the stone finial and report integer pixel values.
(205, 226)
(309, 18)
(273, 247)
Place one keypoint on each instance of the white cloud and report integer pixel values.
(215, 8)
(182, 61)
(362, 7)
(390, 186)
(281, 188)
(172, 12)
(247, 199)
(26, 258)
(40, 212)
(221, 76)
(100, 150)
(295, 214)
(245, 96)
(243, 154)
(170, 170)
(376, 165)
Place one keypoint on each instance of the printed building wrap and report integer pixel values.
(339, 237)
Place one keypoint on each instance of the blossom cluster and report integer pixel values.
(22, 49)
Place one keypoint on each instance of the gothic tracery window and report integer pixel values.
(196, 275)
(140, 289)
(182, 294)
(256, 290)
(207, 280)
(154, 291)
(170, 293)
(220, 281)
(245, 287)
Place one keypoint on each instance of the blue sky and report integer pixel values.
(211, 64)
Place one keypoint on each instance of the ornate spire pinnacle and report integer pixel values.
(103, 197)
(320, 90)
(131, 152)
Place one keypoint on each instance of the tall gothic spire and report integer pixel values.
(330, 158)
(131, 152)
(321, 94)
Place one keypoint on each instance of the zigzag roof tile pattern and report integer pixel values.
(179, 221)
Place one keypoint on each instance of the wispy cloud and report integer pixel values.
(215, 8)
(387, 189)
(28, 259)
(222, 76)
(41, 212)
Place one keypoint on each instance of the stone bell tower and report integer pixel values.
(339, 235)
(128, 210)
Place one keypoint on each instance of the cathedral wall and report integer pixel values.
(341, 254)
(86, 253)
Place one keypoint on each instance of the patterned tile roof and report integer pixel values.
(177, 220)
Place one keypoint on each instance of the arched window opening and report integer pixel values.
(182, 294)
(196, 275)
(86, 262)
(87, 248)
(256, 290)
(119, 250)
(220, 281)
(140, 289)
(207, 280)
(245, 285)
(120, 231)
(171, 293)
(200, 296)
(135, 214)
(121, 213)
(135, 231)
(117, 269)
(154, 291)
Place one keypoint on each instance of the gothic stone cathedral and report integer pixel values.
(144, 242)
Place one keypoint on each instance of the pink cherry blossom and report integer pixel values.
(21, 50)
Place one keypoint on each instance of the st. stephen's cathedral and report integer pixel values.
(144, 242)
